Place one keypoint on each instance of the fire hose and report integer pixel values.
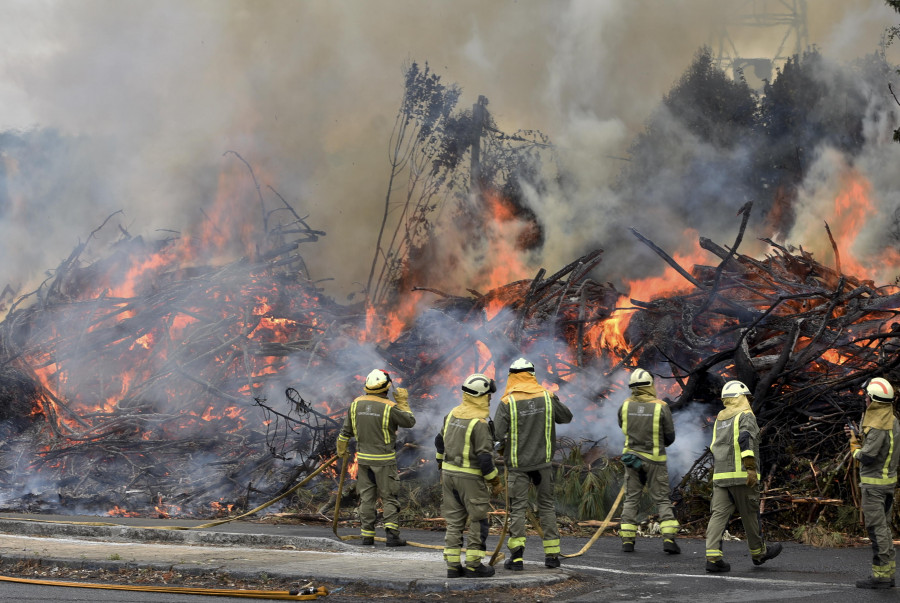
(497, 556)
(337, 509)
(602, 527)
(306, 593)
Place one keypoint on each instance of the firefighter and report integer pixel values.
(646, 422)
(878, 453)
(735, 450)
(373, 420)
(525, 423)
(465, 457)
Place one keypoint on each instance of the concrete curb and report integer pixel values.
(294, 558)
(150, 536)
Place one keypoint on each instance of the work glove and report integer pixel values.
(854, 444)
(752, 477)
(401, 396)
(342, 448)
(750, 467)
(496, 487)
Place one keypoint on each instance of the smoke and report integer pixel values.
(145, 99)
(108, 106)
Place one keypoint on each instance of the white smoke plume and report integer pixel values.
(144, 99)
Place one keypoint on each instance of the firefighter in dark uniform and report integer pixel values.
(525, 424)
(647, 424)
(373, 420)
(465, 456)
(878, 454)
(735, 450)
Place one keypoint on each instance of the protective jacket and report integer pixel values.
(373, 420)
(647, 424)
(465, 444)
(527, 417)
(735, 438)
(880, 450)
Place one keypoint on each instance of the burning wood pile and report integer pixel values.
(151, 393)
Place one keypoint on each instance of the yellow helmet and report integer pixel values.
(640, 377)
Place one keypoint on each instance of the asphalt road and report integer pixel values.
(800, 573)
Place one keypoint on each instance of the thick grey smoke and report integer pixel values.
(143, 99)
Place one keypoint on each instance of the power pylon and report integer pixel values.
(760, 36)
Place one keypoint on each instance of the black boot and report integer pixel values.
(514, 562)
(628, 547)
(718, 566)
(393, 538)
(368, 541)
(455, 571)
(671, 547)
(772, 551)
(551, 561)
(479, 571)
(872, 582)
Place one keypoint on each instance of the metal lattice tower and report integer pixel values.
(760, 36)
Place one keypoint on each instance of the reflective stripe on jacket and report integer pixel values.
(879, 455)
(466, 446)
(529, 427)
(648, 428)
(733, 439)
(373, 421)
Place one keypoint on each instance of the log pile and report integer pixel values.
(208, 385)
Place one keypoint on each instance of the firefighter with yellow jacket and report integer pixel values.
(735, 450)
(878, 455)
(525, 424)
(465, 456)
(373, 420)
(647, 424)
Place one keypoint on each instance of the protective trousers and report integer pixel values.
(725, 499)
(518, 483)
(656, 477)
(464, 497)
(372, 480)
(877, 504)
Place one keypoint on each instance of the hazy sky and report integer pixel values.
(157, 91)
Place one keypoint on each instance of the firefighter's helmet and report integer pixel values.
(521, 365)
(377, 382)
(733, 389)
(479, 385)
(640, 377)
(880, 390)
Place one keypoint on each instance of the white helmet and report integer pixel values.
(880, 390)
(377, 382)
(521, 365)
(733, 389)
(640, 377)
(479, 385)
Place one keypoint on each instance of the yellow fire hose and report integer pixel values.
(602, 527)
(497, 556)
(306, 594)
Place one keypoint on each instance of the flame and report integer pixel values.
(852, 208)
(117, 511)
(608, 336)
